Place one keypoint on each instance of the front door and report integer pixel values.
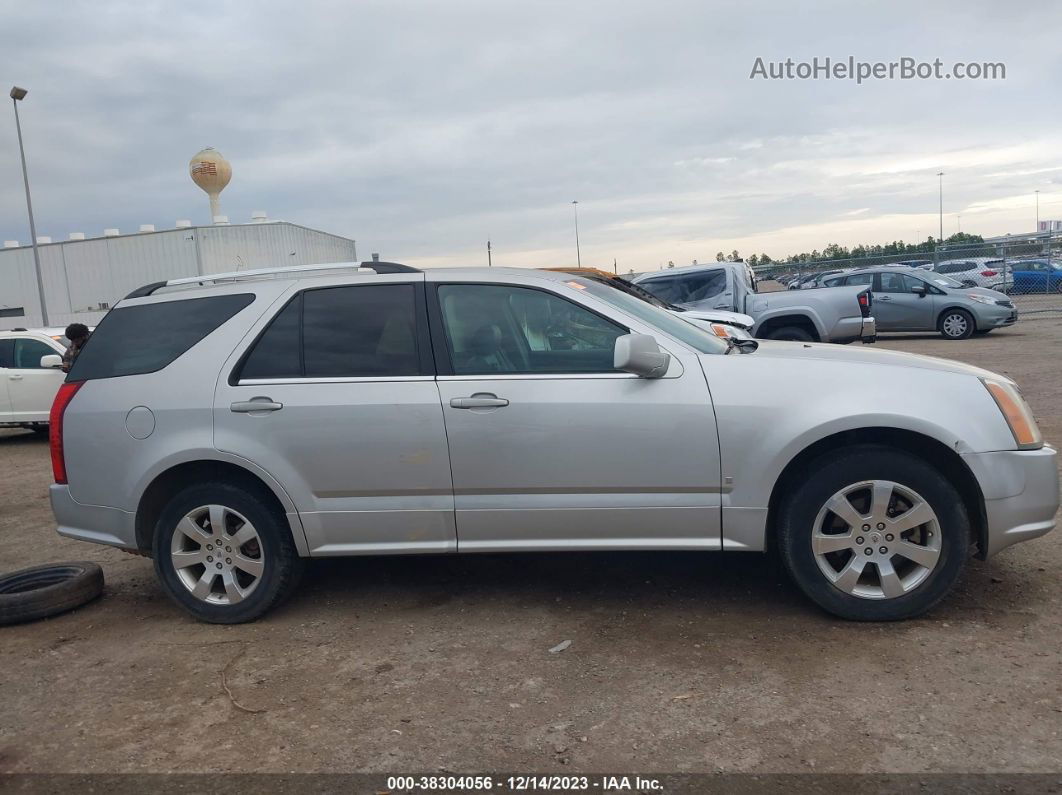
(337, 401)
(897, 307)
(550, 446)
(31, 387)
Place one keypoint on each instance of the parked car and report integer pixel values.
(316, 413)
(974, 271)
(27, 383)
(915, 300)
(812, 316)
(817, 279)
(717, 321)
(1040, 275)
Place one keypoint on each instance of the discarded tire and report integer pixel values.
(48, 590)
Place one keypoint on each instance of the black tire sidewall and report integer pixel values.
(75, 590)
(832, 473)
(971, 324)
(791, 334)
(280, 558)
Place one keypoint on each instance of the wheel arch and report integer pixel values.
(946, 460)
(179, 476)
(798, 319)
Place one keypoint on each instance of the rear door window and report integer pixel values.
(7, 352)
(145, 338)
(359, 331)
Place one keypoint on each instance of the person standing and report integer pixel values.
(77, 333)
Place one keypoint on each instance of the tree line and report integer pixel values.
(837, 252)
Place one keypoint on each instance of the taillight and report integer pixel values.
(864, 303)
(988, 273)
(55, 427)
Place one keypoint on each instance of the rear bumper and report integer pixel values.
(94, 523)
(1021, 495)
(850, 329)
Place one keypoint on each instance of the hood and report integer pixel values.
(720, 316)
(866, 355)
(995, 295)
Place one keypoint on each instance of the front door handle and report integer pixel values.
(480, 400)
(254, 405)
(883, 298)
(15, 377)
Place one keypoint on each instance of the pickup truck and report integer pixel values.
(836, 314)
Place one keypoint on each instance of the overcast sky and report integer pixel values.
(422, 129)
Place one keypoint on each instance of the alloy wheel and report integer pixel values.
(876, 539)
(217, 555)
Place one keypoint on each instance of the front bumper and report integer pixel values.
(1021, 495)
(989, 317)
(95, 523)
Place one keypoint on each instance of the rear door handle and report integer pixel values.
(254, 405)
(480, 400)
(15, 377)
(884, 298)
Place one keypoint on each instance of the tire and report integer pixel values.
(795, 333)
(239, 579)
(982, 331)
(956, 324)
(40, 430)
(816, 551)
(44, 591)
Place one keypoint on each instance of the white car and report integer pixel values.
(974, 271)
(28, 383)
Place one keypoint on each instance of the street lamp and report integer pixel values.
(578, 255)
(16, 95)
(1037, 212)
(940, 175)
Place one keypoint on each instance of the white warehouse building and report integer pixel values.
(85, 277)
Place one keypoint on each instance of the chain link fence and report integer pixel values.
(1029, 269)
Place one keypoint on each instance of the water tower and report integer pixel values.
(211, 172)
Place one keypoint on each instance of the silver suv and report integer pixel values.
(231, 426)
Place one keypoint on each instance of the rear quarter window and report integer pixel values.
(134, 340)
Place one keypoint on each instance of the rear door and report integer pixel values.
(7, 346)
(31, 388)
(336, 399)
(550, 446)
(897, 307)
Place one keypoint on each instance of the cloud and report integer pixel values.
(422, 129)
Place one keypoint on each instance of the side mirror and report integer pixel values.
(920, 291)
(639, 354)
(52, 361)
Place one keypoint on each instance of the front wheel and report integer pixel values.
(224, 554)
(874, 534)
(957, 324)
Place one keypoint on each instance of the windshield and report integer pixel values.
(682, 330)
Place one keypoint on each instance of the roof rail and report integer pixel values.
(264, 273)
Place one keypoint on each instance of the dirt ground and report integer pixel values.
(678, 661)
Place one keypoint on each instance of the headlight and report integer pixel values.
(981, 299)
(1017, 414)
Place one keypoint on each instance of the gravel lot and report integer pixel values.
(678, 661)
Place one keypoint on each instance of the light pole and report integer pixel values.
(940, 175)
(16, 95)
(958, 221)
(489, 264)
(578, 255)
(1037, 212)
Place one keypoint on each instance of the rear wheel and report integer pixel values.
(224, 554)
(957, 324)
(795, 333)
(874, 534)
